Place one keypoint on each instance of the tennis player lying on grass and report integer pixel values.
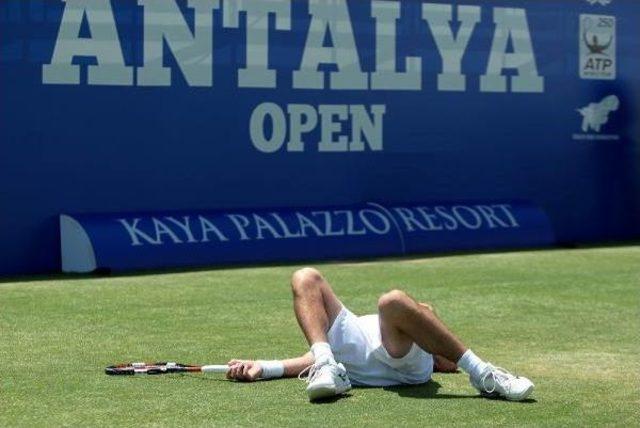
(403, 344)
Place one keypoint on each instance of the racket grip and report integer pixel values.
(215, 369)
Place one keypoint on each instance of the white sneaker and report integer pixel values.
(497, 382)
(326, 379)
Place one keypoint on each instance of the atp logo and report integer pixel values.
(594, 46)
(596, 115)
(600, 2)
(597, 47)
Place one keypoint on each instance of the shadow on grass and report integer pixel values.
(145, 378)
(327, 400)
(430, 390)
(220, 378)
(207, 378)
(330, 400)
(425, 391)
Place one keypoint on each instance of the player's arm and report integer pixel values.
(252, 370)
(294, 366)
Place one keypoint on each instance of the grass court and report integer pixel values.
(567, 319)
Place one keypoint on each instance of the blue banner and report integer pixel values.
(180, 105)
(164, 240)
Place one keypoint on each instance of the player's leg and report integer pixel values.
(315, 304)
(440, 363)
(317, 307)
(404, 321)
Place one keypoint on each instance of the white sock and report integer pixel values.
(322, 352)
(470, 363)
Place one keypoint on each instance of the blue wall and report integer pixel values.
(91, 148)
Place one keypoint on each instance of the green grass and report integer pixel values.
(568, 319)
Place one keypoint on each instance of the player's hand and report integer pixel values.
(244, 370)
(442, 365)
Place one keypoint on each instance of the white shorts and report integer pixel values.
(356, 342)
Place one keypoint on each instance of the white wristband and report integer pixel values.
(271, 369)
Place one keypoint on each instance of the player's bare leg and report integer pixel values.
(316, 308)
(315, 304)
(403, 321)
(440, 363)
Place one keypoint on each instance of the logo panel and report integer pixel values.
(600, 2)
(595, 116)
(598, 47)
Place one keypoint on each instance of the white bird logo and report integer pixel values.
(595, 115)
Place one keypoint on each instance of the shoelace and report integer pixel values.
(313, 371)
(498, 375)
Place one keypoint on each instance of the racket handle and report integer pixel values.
(215, 369)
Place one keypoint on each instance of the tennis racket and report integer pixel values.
(130, 369)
